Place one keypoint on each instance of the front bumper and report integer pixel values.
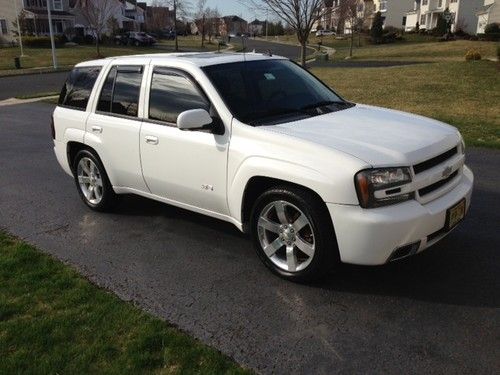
(370, 236)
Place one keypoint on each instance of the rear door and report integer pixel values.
(113, 127)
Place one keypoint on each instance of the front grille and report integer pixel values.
(428, 164)
(437, 185)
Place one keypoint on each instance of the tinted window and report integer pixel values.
(104, 103)
(120, 92)
(172, 93)
(271, 91)
(76, 91)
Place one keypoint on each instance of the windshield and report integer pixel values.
(266, 92)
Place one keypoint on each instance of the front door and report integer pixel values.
(187, 167)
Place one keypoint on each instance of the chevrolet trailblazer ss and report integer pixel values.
(261, 143)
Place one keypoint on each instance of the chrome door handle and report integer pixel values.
(151, 139)
(96, 129)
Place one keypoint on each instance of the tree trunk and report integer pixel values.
(202, 31)
(175, 27)
(351, 44)
(97, 45)
(303, 50)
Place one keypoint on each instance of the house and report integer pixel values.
(394, 12)
(8, 12)
(235, 25)
(129, 16)
(329, 17)
(34, 17)
(427, 12)
(257, 27)
(489, 13)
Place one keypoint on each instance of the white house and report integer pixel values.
(393, 11)
(487, 14)
(427, 12)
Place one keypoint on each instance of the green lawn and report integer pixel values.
(53, 321)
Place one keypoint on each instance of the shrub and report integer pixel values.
(42, 41)
(492, 32)
(498, 53)
(472, 55)
(377, 30)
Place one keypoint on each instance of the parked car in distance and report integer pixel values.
(324, 33)
(260, 142)
(168, 34)
(135, 38)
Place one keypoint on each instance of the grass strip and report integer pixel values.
(52, 320)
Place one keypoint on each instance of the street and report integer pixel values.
(438, 312)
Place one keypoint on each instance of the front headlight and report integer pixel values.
(382, 186)
(462, 146)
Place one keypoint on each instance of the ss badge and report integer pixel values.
(207, 187)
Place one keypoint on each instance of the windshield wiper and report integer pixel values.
(321, 104)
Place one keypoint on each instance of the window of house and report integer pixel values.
(440, 3)
(422, 20)
(172, 93)
(120, 93)
(3, 27)
(453, 1)
(57, 5)
(383, 5)
(425, 2)
(76, 91)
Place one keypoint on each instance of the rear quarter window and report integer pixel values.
(76, 91)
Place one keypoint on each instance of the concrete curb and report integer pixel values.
(15, 101)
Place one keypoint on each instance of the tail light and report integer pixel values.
(52, 127)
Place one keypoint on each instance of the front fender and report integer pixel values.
(257, 166)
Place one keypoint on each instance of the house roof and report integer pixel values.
(234, 18)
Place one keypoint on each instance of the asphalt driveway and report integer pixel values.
(438, 312)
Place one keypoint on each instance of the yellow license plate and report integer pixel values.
(455, 214)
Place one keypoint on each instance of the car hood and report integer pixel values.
(378, 136)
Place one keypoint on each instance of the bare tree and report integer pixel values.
(201, 19)
(354, 13)
(97, 13)
(180, 9)
(213, 16)
(300, 15)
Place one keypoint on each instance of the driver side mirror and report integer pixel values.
(194, 119)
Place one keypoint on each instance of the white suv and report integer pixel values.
(260, 142)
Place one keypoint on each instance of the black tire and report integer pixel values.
(137, 43)
(326, 256)
(108, 196)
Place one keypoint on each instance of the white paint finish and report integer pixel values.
(369, 237)
(208, 173)
(183, 161)
(378, 136)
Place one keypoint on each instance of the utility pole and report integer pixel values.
(267, 20)
(54, 58)
(19, 29)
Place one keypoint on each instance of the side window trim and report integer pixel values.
(158, 69)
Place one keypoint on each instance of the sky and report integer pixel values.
(229, 7)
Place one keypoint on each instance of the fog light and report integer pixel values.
(404, 251)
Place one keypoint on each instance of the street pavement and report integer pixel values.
(287, 50)
(30, 84)
(438, 312)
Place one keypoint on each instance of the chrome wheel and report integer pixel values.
(90, 180)
(286, 236)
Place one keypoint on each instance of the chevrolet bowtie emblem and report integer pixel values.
(447, 171)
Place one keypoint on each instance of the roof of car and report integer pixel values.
(195, 58)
